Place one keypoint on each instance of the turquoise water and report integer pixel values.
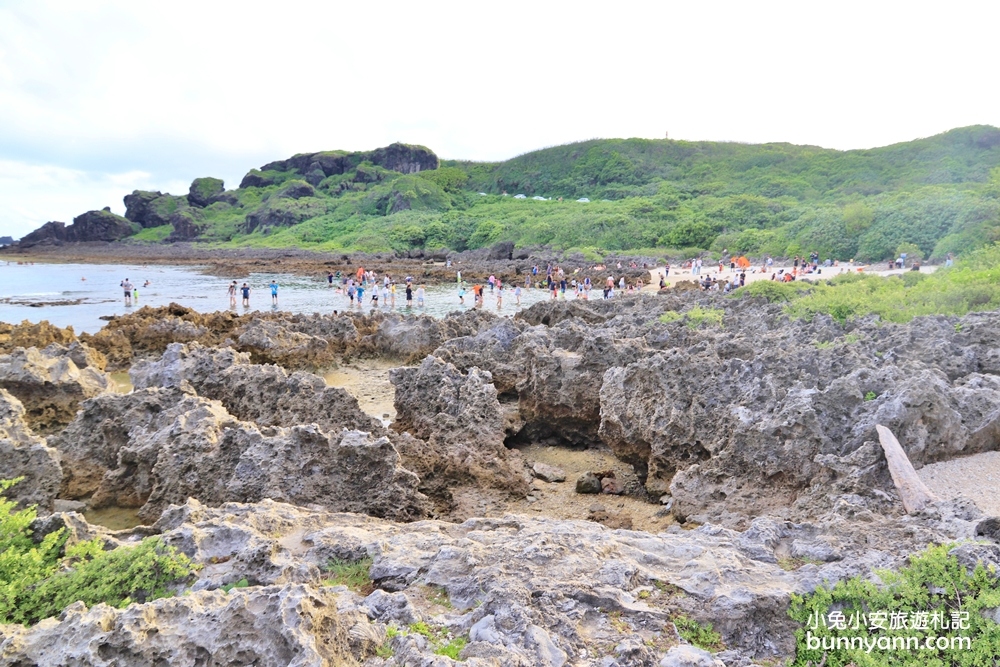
(58, 293)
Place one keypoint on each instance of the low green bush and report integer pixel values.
(40, 579)
(902, 609)
(973, 284)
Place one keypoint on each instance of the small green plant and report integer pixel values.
(790, 564)
(701, 635)
(421, 628)
(698, 316)
(441, 641)
(670, 316)
(933, 586)
(667, 588)
(452, 648)
(870, 396)
(958, 327)
(40, 579)
(242, 583)
(353, 574)
(823, 344)
(439, 596)
(385, 649)
(851, 338)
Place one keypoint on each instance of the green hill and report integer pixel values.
(940, 194)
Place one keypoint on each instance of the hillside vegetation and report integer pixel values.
(972, 284)
(940, 194)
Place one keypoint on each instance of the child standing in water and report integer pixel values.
(420, 296)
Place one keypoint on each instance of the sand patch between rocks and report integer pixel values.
(975, 477)
(368, 382)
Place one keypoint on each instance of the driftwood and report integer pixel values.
(913, 492)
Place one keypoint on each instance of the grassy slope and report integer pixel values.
(941, 194)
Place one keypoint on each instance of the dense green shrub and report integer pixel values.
(933, 585)
(40, 579)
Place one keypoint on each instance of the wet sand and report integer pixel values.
(368, 382)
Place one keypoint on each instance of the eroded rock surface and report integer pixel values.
(25, 455)
(268, 626)
(522, 591)
(156, 446)
(53, 381)
(716, 416)
(460, 427)
(264, 394)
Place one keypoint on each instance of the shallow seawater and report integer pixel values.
(79, 295)
(122, 381)
(114, 518)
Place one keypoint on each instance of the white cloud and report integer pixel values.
(191, 88)
(36, 194)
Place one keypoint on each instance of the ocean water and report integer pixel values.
(78, 295)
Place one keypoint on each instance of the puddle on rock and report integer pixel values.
(368, 382)
(114, 518)
(122, 382)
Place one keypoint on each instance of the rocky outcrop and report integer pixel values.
(271, 342)
(51, 233)
(203, 191)
(186, 223)
(154, 447)
(282, 212)
(713, 416)
(53, 381)
(264, 394)
(28, 334)
(295, 341)
(555, 373)
(793, 418)
(90, 226)
(24, 455)
(411, 338)
(397, 157)
(99, 226)
(295, 189)
(522, 591)
(137, 206)
(460, 425)
(268, 626)
(155, 209)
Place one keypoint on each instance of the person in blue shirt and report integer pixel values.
(274, 292)
(246, 294)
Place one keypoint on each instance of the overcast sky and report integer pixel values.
(100, 98)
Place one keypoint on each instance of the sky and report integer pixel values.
(99, 98)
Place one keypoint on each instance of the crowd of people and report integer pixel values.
(366, 287)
